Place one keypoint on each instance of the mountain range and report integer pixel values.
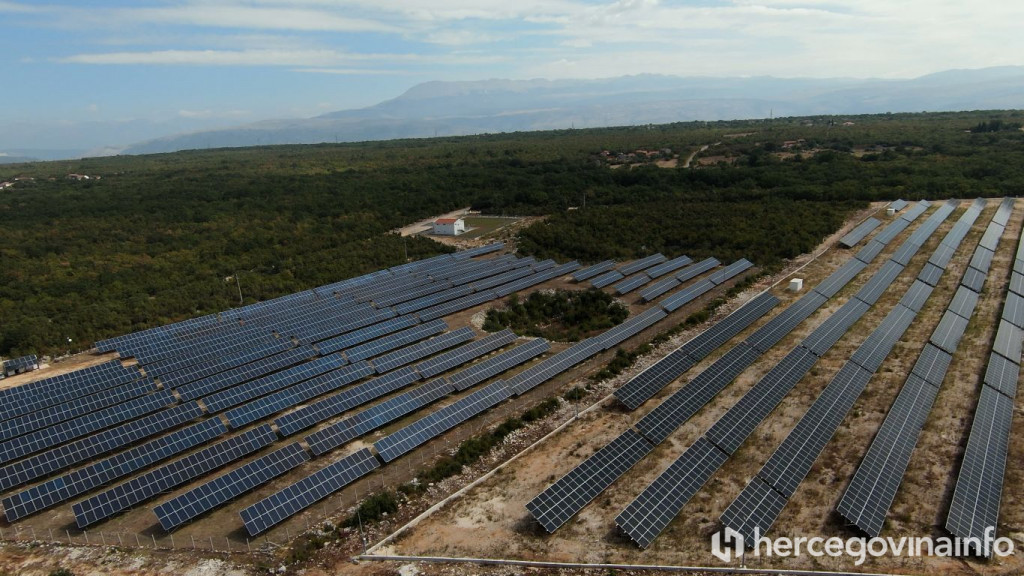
(489, 106)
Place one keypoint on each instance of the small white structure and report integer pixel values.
(796, 285)
(449, 226)
(890, 212)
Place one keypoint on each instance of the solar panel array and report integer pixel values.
(285, 503)
(141, 488)
(974, 511)
(454, 358)
(19, 365)
(591, 271)
(498, 363)
(216, 492)
(859, 233)
(641, 264)
(606, 279)
(792, 460)
(414, 352)
(651, 512)
(685, 275)
(405, 439)
(27, 398)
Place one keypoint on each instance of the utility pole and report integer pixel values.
(239, 285)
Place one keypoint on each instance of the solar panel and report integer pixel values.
(615, 336)
(730, 271)
(976, 499)
(68, 430)
(932, 364)
(1017, 282)
(835, 326)
(631, 283)
(668, 266)
(835, 282)
(591, 271)
(677, 300)
(1002, 375)
(330, 437)
(880, 282)
(503, 278)
(1008, 341)
(917, 295)
(534, 279)
(949, 331)
(942, 255)
(350, 339)
(396, 340)
(220, 490)
(228, 378)
(498, 363)
(66, 455)
(870, 251)
(982, 259)
(1013, 309)
(898, 205)
(20, 400)
(963, 302)
(262, 386)
(179, 370)
(990, 239)
(780, 326)
(739, 422)
(879, 343)
(62, 488)
(891, 231)
(141, 488)
(458, 305)
(570, 493)
(607, 278)
(854, 237)
(335, 404)
(878, 477)
(278, 401)
(754, 510)
(930, 274)
(646, 384)
(552, 366)
(904, 253)
(658, 424)
(412, 353)
(655, 508)
(694, 270)
(658, 288)
(454, 358)
(916, 210)
(284, 504)
(708, 341)
(641, 264)
(1002, 216)
(405, 439)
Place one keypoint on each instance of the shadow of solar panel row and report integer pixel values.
(348, 398)
(72, 453)
(631, 327)
(77, 427)
(261, 386)
(668, 266)
(169, 476)
(222, 489)
(859, 233)
(54, 414)
(569, 494)
(979, 486)
(306, 390)
(552, 366)
(533, 280)
(420, 350)
(648, 515)
(641, 264)
(362, 335)
(874, 485)
(457, 305)
(282, 505)
(606, 279)
(330, 437)
(52, 391)
(498, 363)
(646, 384)
(454, 358)
(62, 488)
(631, 283)
(784, 322)
(405, 439)
(594, 270)
(395, 340)
(229, 378)
(658, 424)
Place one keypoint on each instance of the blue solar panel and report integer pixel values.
(396, 340)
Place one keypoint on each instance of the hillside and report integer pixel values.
(165, 237)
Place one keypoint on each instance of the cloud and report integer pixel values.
(211, 58)
(352, 71)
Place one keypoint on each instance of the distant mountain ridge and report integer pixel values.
(461, 108)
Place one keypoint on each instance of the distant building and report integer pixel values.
(6, 185)
(78, 177)
(449, 226)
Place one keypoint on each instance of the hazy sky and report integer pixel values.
(201, 62)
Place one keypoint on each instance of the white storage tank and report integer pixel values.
(796, 285)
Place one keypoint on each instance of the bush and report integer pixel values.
(373, 508)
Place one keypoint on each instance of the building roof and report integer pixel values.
(447, 220)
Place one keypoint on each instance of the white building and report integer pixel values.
(449, 226)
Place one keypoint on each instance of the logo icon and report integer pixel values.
(727, 544)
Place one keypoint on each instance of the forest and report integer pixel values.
(160, 238)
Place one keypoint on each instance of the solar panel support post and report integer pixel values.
(362, 536)
(154, 540)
